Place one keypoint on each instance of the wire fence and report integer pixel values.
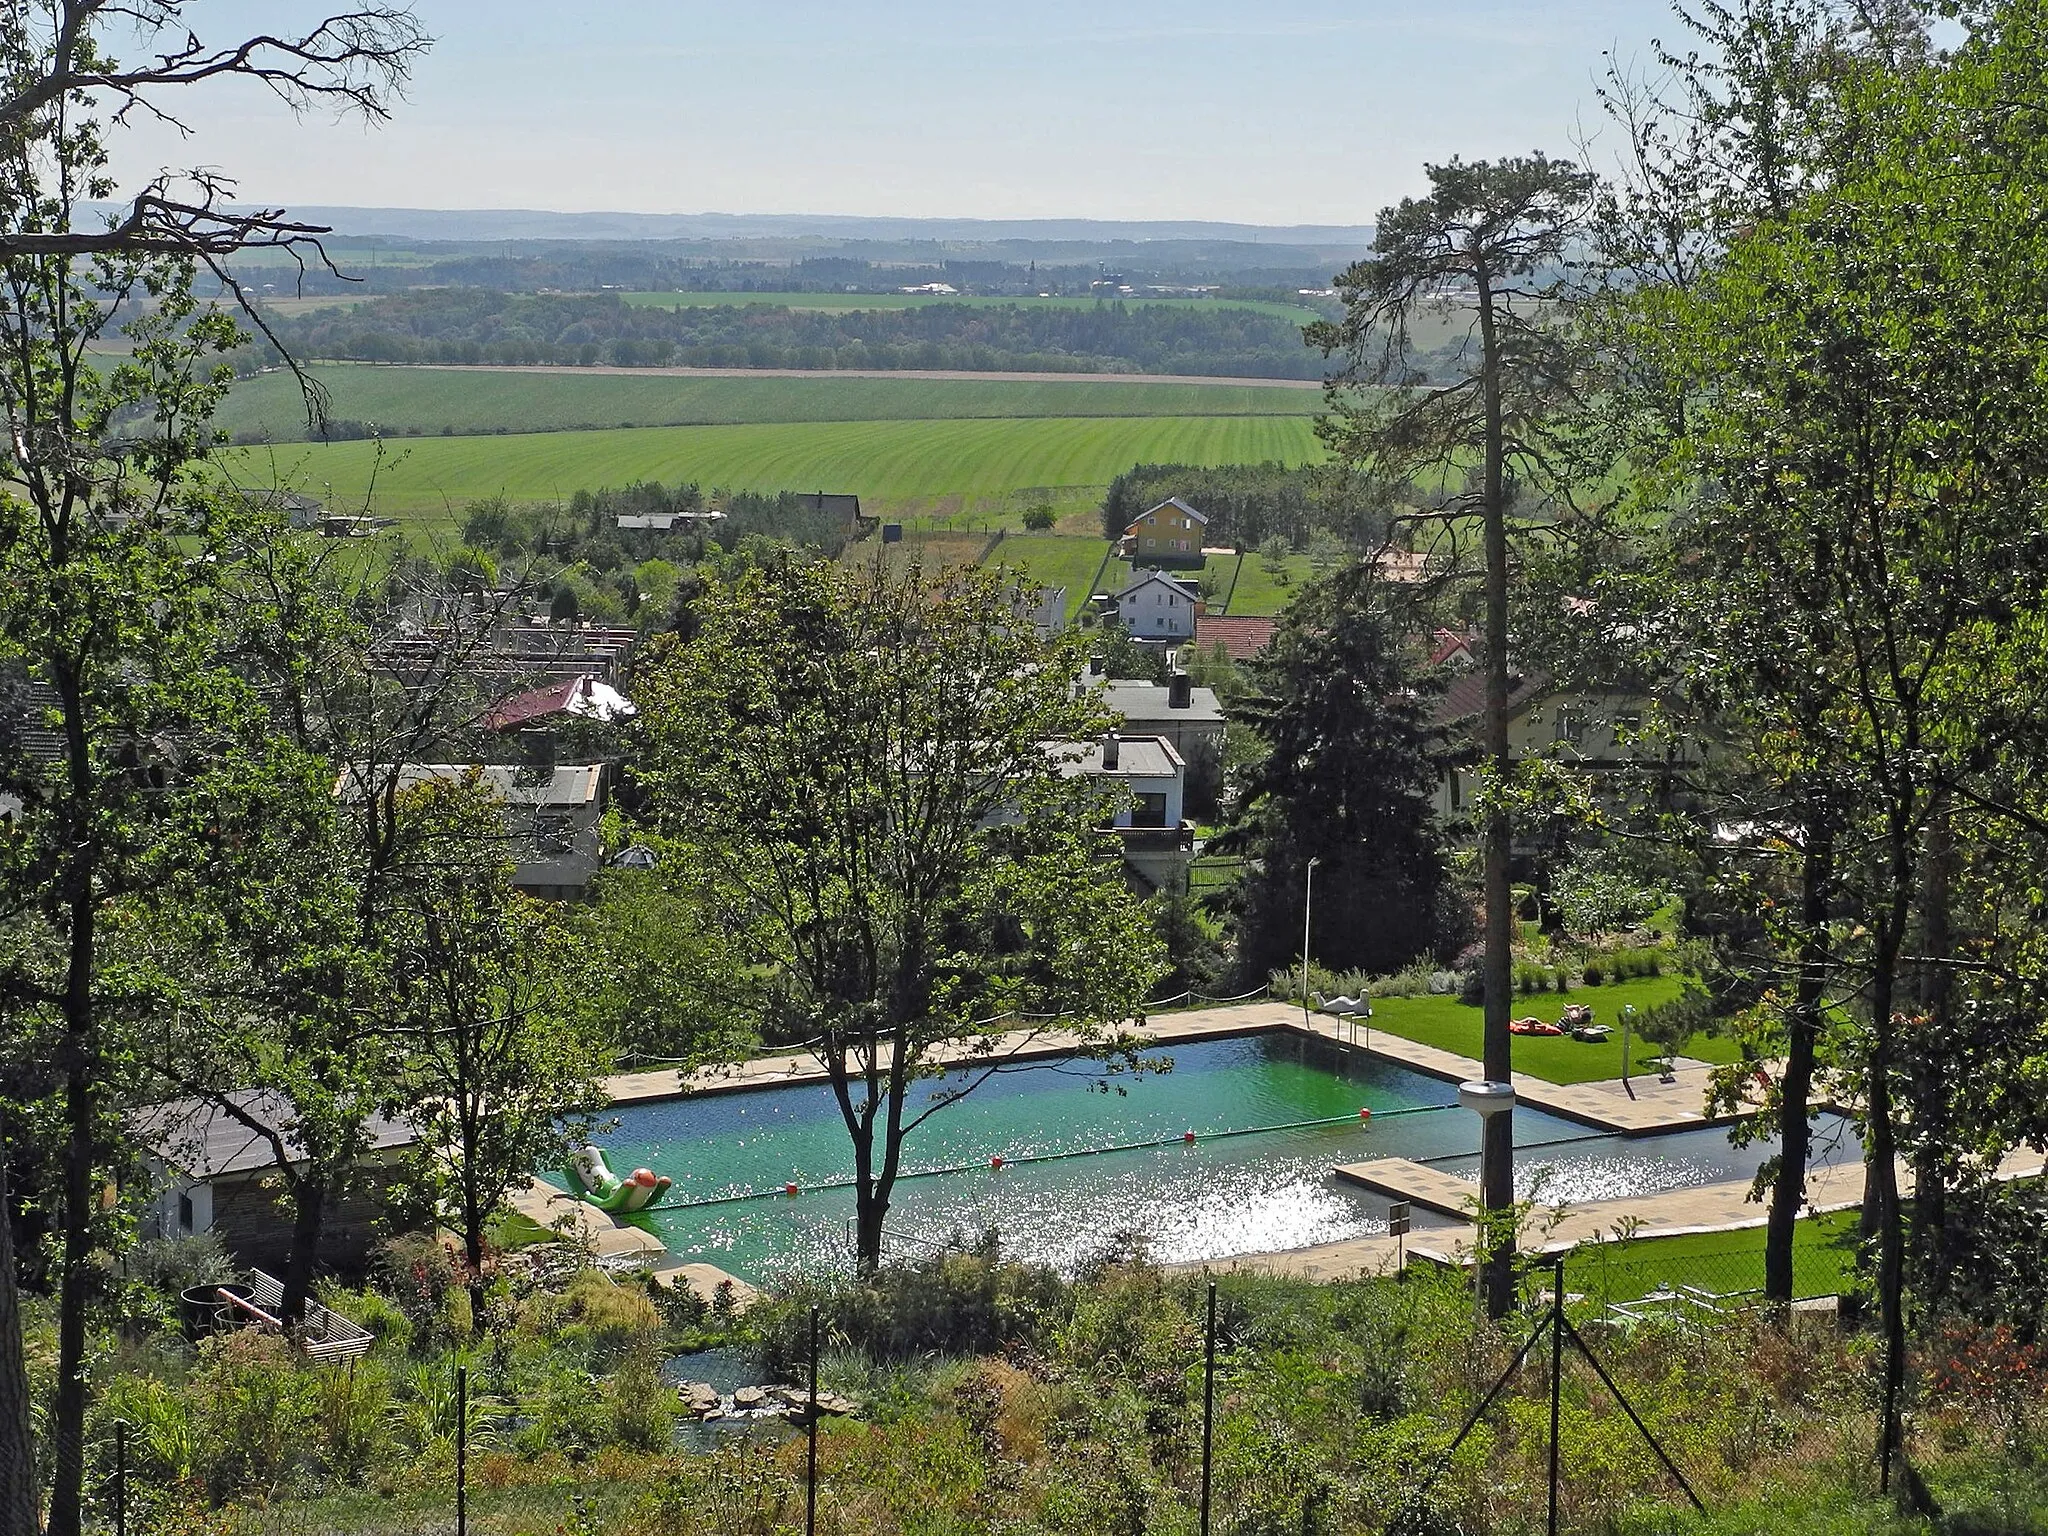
(1568, 1338)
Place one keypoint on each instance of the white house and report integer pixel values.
(1156, 606)
(1175, 710)
(551, 817)
(1150, 828)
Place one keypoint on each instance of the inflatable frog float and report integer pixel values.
(592, 1178)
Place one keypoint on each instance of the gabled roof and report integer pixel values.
(1446, 643)
(581, 698)
(1142, 579)
(1200, 519)
(202, 1140)
(1241, 638)
(1465, 699)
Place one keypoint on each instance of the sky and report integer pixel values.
(1253, 111)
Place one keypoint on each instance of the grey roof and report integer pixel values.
(561, 788)
(1144, 704)
(1141, 579)
(1138, 757)
(202, 1140)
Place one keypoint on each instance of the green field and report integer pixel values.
(405, 401)
(1300, 313)
(1258, 595)
(1722, 1263)
(1450, 1025)
(900, 468)
(1054, 560)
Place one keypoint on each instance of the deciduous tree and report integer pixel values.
(871, 773)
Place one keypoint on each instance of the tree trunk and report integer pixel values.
(18, 1499)
(1497, 1154)
(1929, 1073)
(1882, 1211)
(81, 1110)
(309, 1220)
(1795, 1132)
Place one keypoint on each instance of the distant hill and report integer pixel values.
(466, 224)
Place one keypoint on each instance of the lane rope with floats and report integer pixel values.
(996, 1163)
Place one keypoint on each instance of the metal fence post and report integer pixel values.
(1208, 1402)
(811, 1454)
(461, 1450)
(120, 1477)
(1556, 1377)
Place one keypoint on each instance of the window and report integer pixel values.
(1457, 791)
(186, 1215)
(1571, 726)
(1150, 811)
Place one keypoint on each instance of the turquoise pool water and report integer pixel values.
(731, 1155)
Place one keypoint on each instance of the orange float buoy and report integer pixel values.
(1364, 1114)
(1188, 1137)
(996, 1161)
(789, 1188)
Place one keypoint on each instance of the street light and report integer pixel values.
(1308, 896)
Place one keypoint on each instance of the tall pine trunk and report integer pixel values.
(1497, 1145)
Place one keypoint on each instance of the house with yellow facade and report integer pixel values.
(1168, 534)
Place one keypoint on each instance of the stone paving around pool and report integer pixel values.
(1656, 1107)
(1703, 1208)
(1649, 1106)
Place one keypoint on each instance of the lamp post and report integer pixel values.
(1308, 896)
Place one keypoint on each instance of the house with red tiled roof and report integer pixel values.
(1590, 729)
(1242, 638)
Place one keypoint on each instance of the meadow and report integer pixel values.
(404, 401)
(924, 468)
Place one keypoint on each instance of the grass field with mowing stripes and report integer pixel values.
(480, 400)
(892, 465)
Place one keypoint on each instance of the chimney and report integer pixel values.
(1095, 665)
(1111, 752)
(1180, 691)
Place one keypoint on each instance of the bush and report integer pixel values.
(951, 1303)
(606, 1318)
(1039, 516)
(1593, 973)
(643, 1406)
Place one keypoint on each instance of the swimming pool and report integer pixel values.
(731, 1155)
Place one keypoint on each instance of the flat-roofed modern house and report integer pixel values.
(1150, 829)
(1175, 711)
(215, 1168)
(551, 818)
(1168, 534)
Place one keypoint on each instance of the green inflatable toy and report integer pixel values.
(592, 1178)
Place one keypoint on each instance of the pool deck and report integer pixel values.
(1657, 1106)
(1705, 1208)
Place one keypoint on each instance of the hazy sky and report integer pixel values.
(1264, 111)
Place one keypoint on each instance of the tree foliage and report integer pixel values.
(870, 776)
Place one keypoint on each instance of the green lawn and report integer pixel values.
(1054, 560)
(895, 466)
(1450, 1025)
(1299, 313)
(405, 401)
(1258, 595)
(1724, 1263)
